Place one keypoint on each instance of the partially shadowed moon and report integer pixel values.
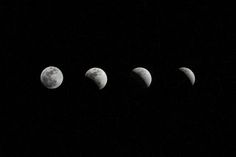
(143, 76)
(98, 76)
(189, 74)
(51, 77)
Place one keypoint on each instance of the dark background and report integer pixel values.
(171, 118)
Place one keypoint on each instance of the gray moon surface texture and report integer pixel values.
(144, 74)
(51, 77)
(98, 76)
(189, 74)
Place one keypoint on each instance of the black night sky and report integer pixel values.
(171, 118)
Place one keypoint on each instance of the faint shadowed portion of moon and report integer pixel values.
(51, 77)
(189, 74)
(142, 76)
(98, 76)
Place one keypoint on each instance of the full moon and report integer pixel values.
(143, 76)
(189, 74)
(98, 76)
(51, 77)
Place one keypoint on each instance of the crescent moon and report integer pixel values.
(189, 74)
(98, 76)
(144, 74)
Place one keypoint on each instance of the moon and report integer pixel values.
(189, 74)
(144, 76)
(98, 76)
(51, 77)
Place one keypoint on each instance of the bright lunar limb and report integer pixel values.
(144, 74)
(98, 76)
(189, 74)
(51, 77)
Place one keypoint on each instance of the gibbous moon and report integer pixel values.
(143, 75)
(189, 74)
(51, 77)
(98, 76)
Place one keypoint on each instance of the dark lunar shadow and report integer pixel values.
(137, 81)
(179, 83)
(179, 91)
(90, 86)
(136, 85)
